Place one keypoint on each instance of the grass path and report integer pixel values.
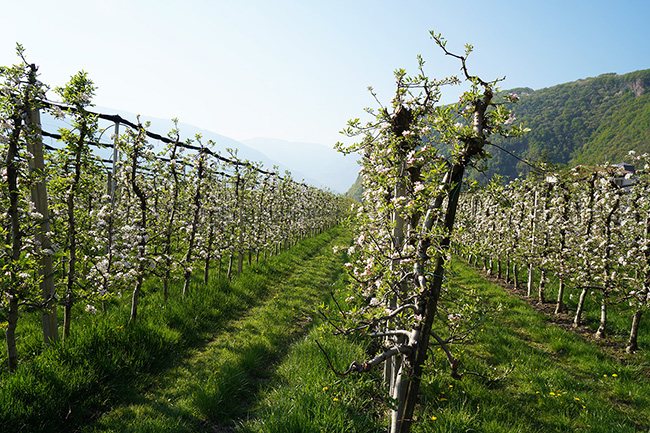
(561, 382)
(218, 383)
(263, 373)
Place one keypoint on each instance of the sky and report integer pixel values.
(297, 70)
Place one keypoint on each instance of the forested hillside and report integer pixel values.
(356, 190)
(588, 121)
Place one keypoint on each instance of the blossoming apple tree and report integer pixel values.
(411, 191)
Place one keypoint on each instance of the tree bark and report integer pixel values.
(531, 277)
(632, 343)
(142, 244)
(402, 418)
(392, 365)
(67, 319)
(560, 297)
(600, 332)
(196, 201)
(72, 234)
(15, 241)
(39, 197)
(230, 260)
(581, 304)
(542, 285)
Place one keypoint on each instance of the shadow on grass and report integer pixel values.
(108, 363)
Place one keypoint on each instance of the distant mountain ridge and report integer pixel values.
(322, 163)
(314, 164)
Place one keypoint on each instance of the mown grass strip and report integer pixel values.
(218, 383)
(106, 362)
(561, 383)
(306, 396)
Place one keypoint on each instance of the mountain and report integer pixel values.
(324, 164)
(356, 190)
(589, 121)
(187, 131)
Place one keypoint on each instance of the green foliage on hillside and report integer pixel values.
(588, 121)
(356, 190)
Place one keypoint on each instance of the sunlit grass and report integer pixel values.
(107, 365)
(560, 383)
(242, 356)
(217, 384)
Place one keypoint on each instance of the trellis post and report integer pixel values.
(39, 198)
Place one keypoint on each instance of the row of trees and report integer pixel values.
(580, 226)
(79, 229)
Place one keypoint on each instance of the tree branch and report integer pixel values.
(363, 367)
(407, 334)
(454, 364)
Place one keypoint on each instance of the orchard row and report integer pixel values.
(79, 230)
(588, 228)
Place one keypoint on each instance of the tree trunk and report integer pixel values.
(196, 201)
(206, 269)
(542, 285)
(632, 343)
(560, 297)
(14, 239)
(531, 277)
(67, 318)
(393, 364)
(134, 300)
(142, 244)
(600, 332)
(581, 304)
(187, 276)
(39, 198)
(402, 418)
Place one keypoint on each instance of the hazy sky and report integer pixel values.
(299, 69)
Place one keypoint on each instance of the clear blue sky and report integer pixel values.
(298, 69)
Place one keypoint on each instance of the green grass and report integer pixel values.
(306, 396)
(619, 316)
(217, 384)
(242, 357)
(560, 383)
(108, 364)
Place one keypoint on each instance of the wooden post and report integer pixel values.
(39, 198)
(531, 267)
(111, 177)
